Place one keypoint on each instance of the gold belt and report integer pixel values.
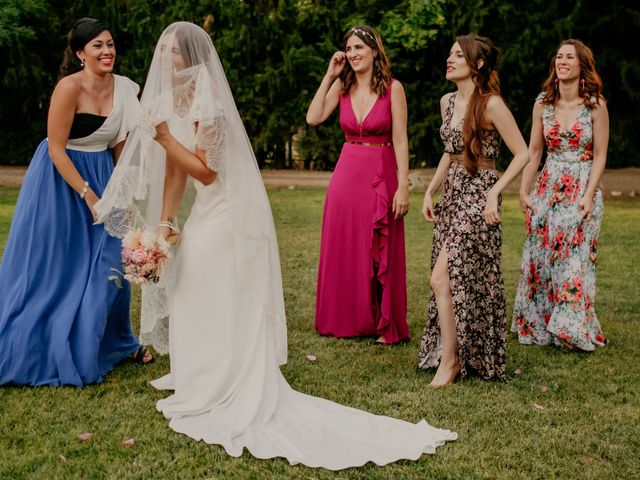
(366, 144)
(483, 163)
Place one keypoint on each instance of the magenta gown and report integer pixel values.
(362, 274)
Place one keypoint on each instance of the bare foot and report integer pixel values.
(445, 375)
(381, 340)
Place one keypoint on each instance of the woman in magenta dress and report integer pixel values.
(362, 275)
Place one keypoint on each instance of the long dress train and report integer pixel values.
(227, 326)
(228, 387)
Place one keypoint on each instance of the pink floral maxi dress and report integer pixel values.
(554, 301)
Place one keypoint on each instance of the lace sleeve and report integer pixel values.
(211, 138)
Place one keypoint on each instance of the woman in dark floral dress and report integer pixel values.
(465, 330)
(554, 302)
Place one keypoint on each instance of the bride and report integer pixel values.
(222, 297)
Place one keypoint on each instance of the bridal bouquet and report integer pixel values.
(144, 254)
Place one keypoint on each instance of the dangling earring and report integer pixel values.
(556, 82)
(82, 62)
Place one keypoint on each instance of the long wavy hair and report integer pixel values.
(83, 31)
(485, 78)
(381, 75)
(590, 81)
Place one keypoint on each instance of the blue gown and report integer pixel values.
(62, 321)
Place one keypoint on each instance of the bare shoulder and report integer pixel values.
(396, 87)
(68, 86)
(397, 93)
(599, 107)
(538, 106)
(445, 99)
(496, 103)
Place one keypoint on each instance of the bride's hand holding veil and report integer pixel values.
(163, 134)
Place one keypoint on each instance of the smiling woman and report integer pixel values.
(555, 299)
(361, 274)
(62, 322)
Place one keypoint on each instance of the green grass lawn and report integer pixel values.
(589, 427)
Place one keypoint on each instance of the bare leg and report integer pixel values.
(449, 367)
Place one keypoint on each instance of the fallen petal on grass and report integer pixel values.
(518, 371)
(84, 436)
(544, 389)
(62, 458)
(311, 358)
(128, 442)
(538, 406)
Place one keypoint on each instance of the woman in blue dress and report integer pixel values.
(62, 321)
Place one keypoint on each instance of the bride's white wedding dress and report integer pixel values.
(227, 331)
(228, 386)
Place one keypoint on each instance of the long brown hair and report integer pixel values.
(486, 81)
(590, 81)
(83, 31)
(381, 75)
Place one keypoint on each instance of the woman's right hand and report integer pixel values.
(336, 64)
(525, 202)
(91, 199)
(427, 208)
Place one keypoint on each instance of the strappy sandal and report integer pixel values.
(138, 356)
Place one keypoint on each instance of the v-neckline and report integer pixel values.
(575, 121)
(360, 124)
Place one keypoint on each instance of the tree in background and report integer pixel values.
(276, 51)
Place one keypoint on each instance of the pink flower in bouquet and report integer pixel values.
(131, 241)
(138, 256)
(144, 254)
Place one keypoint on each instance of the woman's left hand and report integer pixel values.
(585, 207)
(401, 202)
(491, 214)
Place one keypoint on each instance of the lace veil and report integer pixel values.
(186, 87)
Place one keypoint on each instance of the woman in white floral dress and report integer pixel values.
(555, 297)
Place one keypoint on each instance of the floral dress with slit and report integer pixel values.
(473, 250)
